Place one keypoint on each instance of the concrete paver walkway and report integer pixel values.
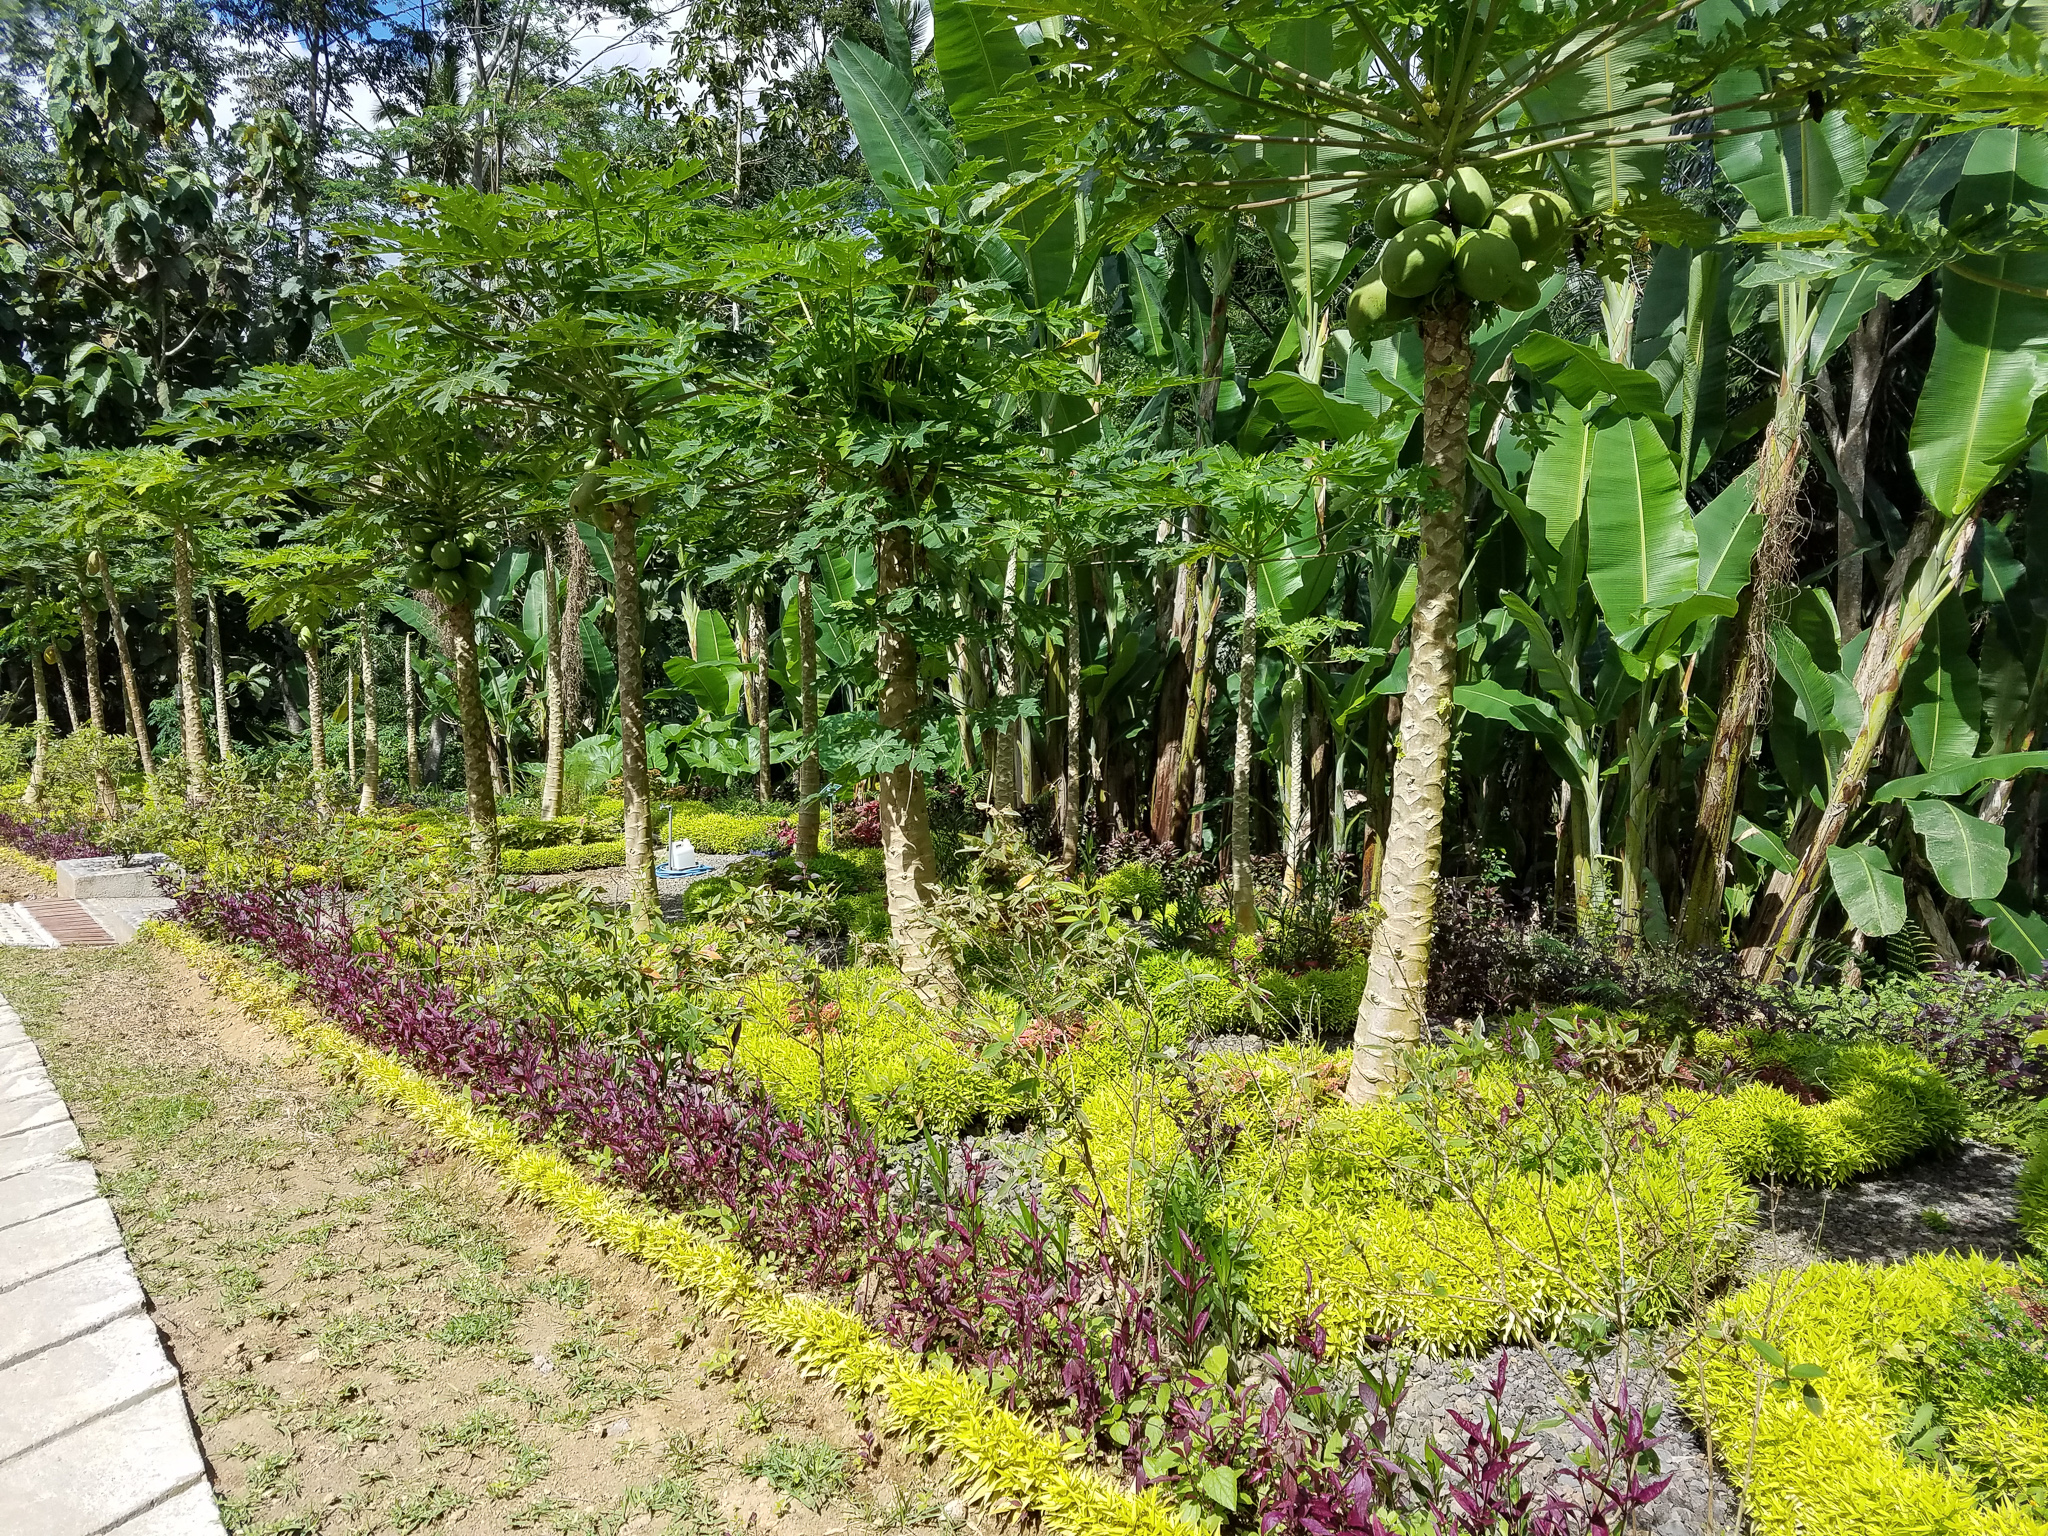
(94, 1436)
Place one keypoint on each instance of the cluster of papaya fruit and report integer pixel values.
(1451, 233)
(454, 565)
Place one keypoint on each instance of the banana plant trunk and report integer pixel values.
(1747, 680)
(639, 829)
(1397, 974)
(368, 801)
(1244, 907)
(131, 684)
(39, 768)
(476, 740)
(217, 665)
(191, 718)
(1934, 556)
(316, 726)
(910, 863)
(412, 723)
(551, 669)
(809, 774)
(1639, 811)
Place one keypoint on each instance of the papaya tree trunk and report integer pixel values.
(217, 665)
(579, 580)
(316, 727)
(131, 684)
(1397, 973)
(1244, 907)
(106, 793)
(809, 776)
(757, 635)
(1070, 778)
(191, 718)
(476, 739)
(412, 722)
(551, 662)
(71, 712)
(368, 801)
(1934, 555)
(1781, 469)
(1002, 751)
(639, 828)
(909, 860)
(1195, 721)
(349, 716)
(39, 767)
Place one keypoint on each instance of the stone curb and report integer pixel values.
(94, 1433)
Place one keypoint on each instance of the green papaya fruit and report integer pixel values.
(1471, 199)
(1386, 223)
(447, 554)
(1525, 292)
(1415, 260)
(585, 495)
(1487, 265)
(1371, 307)
(448, 587)
(419, 573)
(1418, 202)
(1537, 222)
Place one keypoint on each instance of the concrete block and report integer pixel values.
(38, 1148)
(105, 1472)
(123, 917)
(55, 1307)
(12, 1034)
(53, 1393)
(61, 1237)
(19, 1058)
(25, 1083)
(38, 1191)
(31, 1111)
(110, 878)
(191, 1513)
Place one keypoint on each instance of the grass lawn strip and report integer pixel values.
(999, 1457)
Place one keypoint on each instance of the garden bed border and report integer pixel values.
(999, 1457)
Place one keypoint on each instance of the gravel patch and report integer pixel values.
(1960, 1201)
(1538, 1393)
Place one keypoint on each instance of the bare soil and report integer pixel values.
(374, 1338)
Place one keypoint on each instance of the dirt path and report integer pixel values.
(373, 1339)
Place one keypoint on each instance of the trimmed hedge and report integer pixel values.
(714, 831)
(1842, 1470)
(1132, 885)
(562, 858)
(2033, 1192)
(1315, 1001)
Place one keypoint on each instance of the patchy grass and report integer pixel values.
(375, 1340)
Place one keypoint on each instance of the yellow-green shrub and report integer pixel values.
(1887, 1106)
(2033, 1192)
(561, 858)
(1310, 1000)
(712, 831)
(1842, 1470)
(885, 1053)
(1132, 885)
(1199, 993)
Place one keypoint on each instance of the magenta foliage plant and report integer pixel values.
(48, 839)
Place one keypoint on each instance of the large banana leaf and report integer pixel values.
(1311, 230)
(1557, 480)
(1582, 375)
(978, 56)
(1313, 413)
(1939, 698)
(1962, 778)
(1601, 86)
(1978, 410)
(1872, 895)
(2020, 935)
(1641, 551)
(1729, 531)
(1968, 854)
(898, 143)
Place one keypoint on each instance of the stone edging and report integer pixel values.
(94, 1434)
